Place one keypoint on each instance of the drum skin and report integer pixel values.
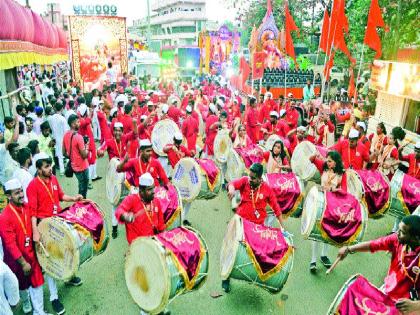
(191, 181)
(222, 146)
(152, 276)
(235, 262)
(114, 182)
(313, 209)
(301, 165)
(235, 166)
(162, 134)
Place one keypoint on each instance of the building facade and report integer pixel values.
(172, 22)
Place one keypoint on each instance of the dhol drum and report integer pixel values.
(115, 188)
(242, 259)
(162, 134)
(405, 194)
(359, 296)
(235, 166)
(171, 203)
(334, 218)
(71, 239)
(222, 146)
(197, 179)
(371, 187)
(302, 166)
(159, 268)
(289, 190)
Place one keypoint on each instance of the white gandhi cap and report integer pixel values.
(146, 180)
(12, 184)
(353, 134)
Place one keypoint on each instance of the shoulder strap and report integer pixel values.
(71, 147)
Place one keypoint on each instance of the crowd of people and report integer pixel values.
(65, 131)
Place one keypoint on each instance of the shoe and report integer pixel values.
(312, 267)
(96, 178)
(115, 232)
(58, 307)
(75, 281)
(165, 313)
(62, 173)
(27, 306)
(226, 285)
(90, 186)
(186, 222)
(326, 261)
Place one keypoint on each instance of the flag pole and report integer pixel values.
(329, 55)
(358, 72)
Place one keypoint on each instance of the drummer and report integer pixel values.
(144, 164)
(333, 178)
(271, 127)
(212, 124)
(413, 160)
(190, 129)
(177, 151)
(297, 136)
(141, 213)
(44, 195)
(255, 195)
(402, 284)
(277, 159)
(353, 153)
(241, 139)
(117, 146)
(19, 251)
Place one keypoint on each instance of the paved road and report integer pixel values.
(104, 291)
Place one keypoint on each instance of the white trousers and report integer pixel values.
(185, 209)
(315, 250)
(52, 286)
(92, 171)
(114, 218)
(37, 298)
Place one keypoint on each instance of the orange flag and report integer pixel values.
(290, 26)
(374, 20)
(328, 66)
(323, 42)
(351, 91)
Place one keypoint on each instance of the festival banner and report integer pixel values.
(258, 65)
(96, 41)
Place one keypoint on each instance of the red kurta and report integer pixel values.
(283, 128)
(103, 125)
(116, 149)
(190, 131)
(16, 227)
(253, 203)
(292, 117)
(173, 156)
(352, 157)
(251, 121)
(397, 283)
(138, 168)
(86, 130)
(211, 133)
(44, 197)
(143, 224)
(413, 165)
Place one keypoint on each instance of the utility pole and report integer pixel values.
(27, 4)
(52, 13)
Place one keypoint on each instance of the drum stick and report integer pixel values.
(333, 266)
(44, 250)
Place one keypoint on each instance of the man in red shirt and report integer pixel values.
(271, 127)
(251, 121)
(44, 196)
(292, 116)
(77, 153)
(212, 125)
(174, 112)
(117, 146)
(144, 164)
(255, 195)
(141, 213)
(353, 153)
(283, 127)
(413, 160)
(402, 283)
(103, 123)
(19, 251)
(177, 151)
(296, 136)
(190, 129)
(361, 128)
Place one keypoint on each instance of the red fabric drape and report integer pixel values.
(323, 42)
(374, 20)
(290, 26)
(351, 89)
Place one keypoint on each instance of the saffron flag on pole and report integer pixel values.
(290, 26)
(323, 42)
(244, 70)
(258, 65)
(351, 91)
(375, 20)
(328, 66)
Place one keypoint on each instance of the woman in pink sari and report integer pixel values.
(242, 140)
(277, 159)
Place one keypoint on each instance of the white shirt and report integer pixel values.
(9, 287)
(7, 165)
(112, 75)
(24, 139)
(59, 127)
(24, 178)
(68, 113)
(37, 125)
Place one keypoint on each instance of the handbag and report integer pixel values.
(68, 172)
